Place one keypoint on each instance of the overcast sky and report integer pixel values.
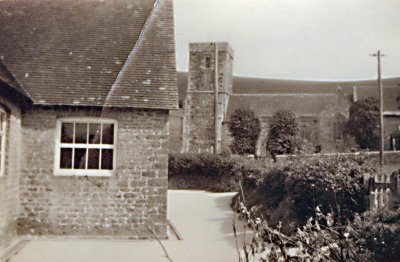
(295, 39)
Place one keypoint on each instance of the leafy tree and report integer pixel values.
(245, 128)
(363, 123)
(283, 137)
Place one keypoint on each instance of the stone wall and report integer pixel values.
(9, 181)
(340, 104)
(175, 130)
(391, 126)
(57, 205)
(198, 132)
(391, 157)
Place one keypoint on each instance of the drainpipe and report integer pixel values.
(216, 100)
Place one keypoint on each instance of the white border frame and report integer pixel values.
(3, 142)
(84, 172)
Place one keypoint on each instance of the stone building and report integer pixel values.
(321, 108)
(85, 93)
(206, 102)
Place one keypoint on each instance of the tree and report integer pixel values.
(245, 128)
(283, 137)
(363, 123)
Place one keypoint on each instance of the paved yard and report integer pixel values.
(203, 219)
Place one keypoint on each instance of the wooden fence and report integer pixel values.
(383, 190)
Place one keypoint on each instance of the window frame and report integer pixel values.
(3, 136)
(84, 172)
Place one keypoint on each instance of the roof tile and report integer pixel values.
(70, 52)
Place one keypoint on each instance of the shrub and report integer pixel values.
(371, 236)
(290, 194)
(379, 232)
(283, 137)
(203, 172)
(245, 128)
(210, 172)
(363, 123)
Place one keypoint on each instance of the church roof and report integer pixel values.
(265, 96)
(118, 53)
(265, 105)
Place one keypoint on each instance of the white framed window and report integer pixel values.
(85, 147)
(3, 134)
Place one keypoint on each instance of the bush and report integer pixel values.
(290, 194)
(203, 172)
(245, 128)
(372, 236)
(380, 234)
(210, 172)
(363, 123)
(283, 137)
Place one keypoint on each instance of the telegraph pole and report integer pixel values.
(378, 55)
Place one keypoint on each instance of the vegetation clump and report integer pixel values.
(363, 123)
(245, 128)
(291, 193)
(372, 236)
(283, 136)
(210, 172)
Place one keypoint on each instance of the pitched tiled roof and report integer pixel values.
(266, 94)
(91, 53)
(267, 104)
(8, 78)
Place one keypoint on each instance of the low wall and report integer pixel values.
(390, 157)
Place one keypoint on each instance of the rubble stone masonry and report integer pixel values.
(199, 106)
(60, 205)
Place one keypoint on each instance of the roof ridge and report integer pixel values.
(135, 47)
(15, 79)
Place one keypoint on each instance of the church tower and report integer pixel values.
(209, 87)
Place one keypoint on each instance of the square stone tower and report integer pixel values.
(209, 87)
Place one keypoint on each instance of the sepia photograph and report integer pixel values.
(199, 130)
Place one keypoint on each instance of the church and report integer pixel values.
(209, 93)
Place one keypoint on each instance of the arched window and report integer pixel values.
(337, 124)
(3, 130)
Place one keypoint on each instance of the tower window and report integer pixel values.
(207, 63)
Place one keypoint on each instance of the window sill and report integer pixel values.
(92, 173)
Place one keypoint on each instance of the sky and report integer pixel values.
(295, 39)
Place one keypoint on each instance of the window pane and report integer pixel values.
(93, 160)
(66, 158)
(81, 133)
(108, 134)
(67, 132)
(107, 159)
(94, 133)
(80, 158)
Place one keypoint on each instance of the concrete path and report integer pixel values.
(204, 220)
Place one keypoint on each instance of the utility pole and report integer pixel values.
(378, 55)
